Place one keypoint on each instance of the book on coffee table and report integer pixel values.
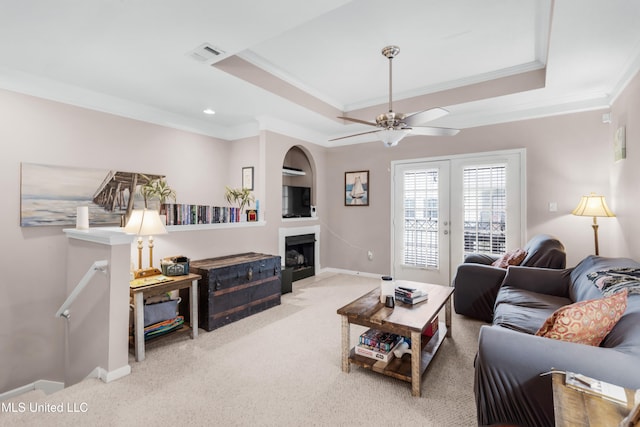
(410, 295)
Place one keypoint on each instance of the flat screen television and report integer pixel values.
(296, 201)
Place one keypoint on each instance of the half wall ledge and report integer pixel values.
(105, 324)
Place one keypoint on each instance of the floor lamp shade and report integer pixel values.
(594, 206)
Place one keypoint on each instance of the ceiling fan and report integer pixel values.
(392, 127)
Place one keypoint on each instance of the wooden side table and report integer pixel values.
(574, 408)
(139, 293)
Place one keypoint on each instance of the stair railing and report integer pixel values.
(101, 266)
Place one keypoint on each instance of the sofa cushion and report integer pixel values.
(585, 322)
(513, 257)
(524, 310)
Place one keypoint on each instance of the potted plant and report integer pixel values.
(240, 196)
(157, 189)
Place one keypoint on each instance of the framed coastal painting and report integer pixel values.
(356, 188)
(50, 195)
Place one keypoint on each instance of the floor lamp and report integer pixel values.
(594, 206)
(145, 222)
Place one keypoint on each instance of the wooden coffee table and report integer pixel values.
(404, 319)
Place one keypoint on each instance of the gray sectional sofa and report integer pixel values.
(508, 386)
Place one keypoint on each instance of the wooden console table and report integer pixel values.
(139, 293)
(573, 408)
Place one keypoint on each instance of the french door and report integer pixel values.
(445, 208)
(421, 221)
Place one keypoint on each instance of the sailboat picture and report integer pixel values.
(356, 186)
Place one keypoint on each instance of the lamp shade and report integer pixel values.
(592, 205)
(391, 137)
(145, 222)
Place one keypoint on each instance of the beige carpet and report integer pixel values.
(280, 367)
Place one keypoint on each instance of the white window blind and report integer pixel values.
(485, 208)
(421, 218)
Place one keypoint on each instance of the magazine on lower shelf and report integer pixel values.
(376, 339)
(381, 355)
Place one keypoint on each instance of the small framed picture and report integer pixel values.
(356, 188)
(247, 177)
(620, 144)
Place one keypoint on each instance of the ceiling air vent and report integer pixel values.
(206, 53)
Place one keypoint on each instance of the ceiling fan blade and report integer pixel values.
(432, 131)
(425, 116)
(355, 134)
(364, 122)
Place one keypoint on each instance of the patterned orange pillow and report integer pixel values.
(585, 322)
(514, 257)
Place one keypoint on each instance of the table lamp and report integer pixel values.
(595, 206)
(145, 222)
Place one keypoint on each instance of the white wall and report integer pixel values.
(625, 176)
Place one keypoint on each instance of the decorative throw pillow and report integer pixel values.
(514, 257)
(585, 322)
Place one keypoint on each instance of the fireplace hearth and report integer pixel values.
(300, 255)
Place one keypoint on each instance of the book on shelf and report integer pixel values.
(595, 387)
(379, 340)
(377, 354)
(186, 214)
(163, 327)
(149, 280)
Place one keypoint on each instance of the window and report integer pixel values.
(421, 203)
(485, 208)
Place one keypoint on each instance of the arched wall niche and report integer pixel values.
(298, 170)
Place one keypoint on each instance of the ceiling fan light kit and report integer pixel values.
(392, 126)
(391, 137)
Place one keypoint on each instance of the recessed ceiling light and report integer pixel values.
(208, 111)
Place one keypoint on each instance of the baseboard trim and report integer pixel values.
(45, 385)
(350, 272)
(108, 376)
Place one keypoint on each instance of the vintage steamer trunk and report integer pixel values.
(236, 286)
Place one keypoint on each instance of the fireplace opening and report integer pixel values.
(300, 256)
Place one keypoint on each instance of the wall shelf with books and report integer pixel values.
(185, 217)
(218, 226)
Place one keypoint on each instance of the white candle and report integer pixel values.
(387, 287)
(82, 218)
